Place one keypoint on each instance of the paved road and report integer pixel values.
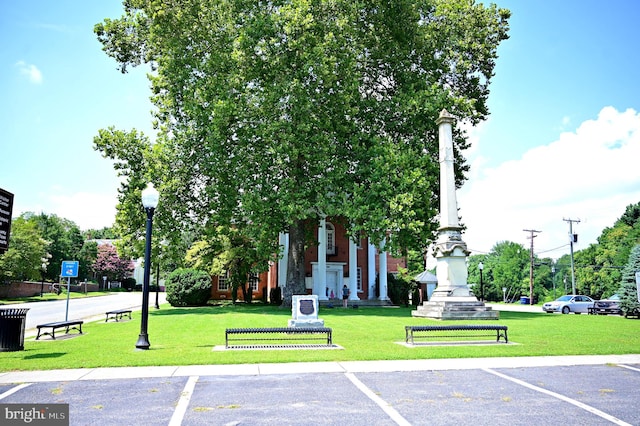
(587, 390)
(87, 308)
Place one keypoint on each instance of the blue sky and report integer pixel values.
(562, 141)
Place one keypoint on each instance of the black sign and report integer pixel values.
(306, 307)
(6, 207)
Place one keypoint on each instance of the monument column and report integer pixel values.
(452, 298)
(451, 251)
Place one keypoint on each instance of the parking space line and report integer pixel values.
(13, 390)
(183, 402)
(572, 401)
(629, 367)
(391, 412)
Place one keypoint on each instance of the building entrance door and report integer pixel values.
(332, 284)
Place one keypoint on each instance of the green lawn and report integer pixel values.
(187, 336)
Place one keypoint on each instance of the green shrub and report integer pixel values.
(275, 295)
(129, 283)
(398, 288)
(188, 287)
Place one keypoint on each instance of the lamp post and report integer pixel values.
(150, 201)
(45, 262)
(43, 271)
(553, 280)
(157, 305)
(480, 268)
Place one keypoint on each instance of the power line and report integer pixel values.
(553, 249)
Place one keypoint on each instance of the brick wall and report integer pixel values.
(29, 289)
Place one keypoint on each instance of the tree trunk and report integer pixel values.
(295, 268)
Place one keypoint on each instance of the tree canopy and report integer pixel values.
(275, 113)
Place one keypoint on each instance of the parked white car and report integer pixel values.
(569, 303)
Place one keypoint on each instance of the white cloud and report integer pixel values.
(589, 174)
(30, 71)
(87, 210)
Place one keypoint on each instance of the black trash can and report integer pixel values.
(12, 324)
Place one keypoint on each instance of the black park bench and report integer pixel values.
(117, 314)
(285, 336)
(67, 325)
(413, 332)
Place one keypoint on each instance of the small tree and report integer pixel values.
(109, 264)
(628, 289)
(400, 286)
(188, 287)
(229, 251)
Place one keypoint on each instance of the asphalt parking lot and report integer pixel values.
(597, 390)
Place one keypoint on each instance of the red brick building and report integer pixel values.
(334, 262)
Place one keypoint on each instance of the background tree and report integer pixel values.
(105, 233)
(23, 259)
(228, 252)
(64, 237)
(274, 115)
(507, 265)
(86, 258)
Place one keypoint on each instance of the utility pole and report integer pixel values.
(531, 237)
(572, 239)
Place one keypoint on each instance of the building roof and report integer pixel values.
(426, 277)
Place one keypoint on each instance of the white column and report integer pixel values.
(320, 282)
(283, 239)
(353, 270)
(383, 272)
(371, 270)
(448, 203)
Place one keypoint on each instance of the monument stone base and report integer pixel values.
(306, 323)
(304, 312)
(455, 308)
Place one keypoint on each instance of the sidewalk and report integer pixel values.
(314, 367)
(516, 307)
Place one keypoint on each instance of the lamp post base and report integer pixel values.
(143, 342)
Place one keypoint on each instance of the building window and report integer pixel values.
(253, 282)
(331, 239)
(359, 279)
(223, 284)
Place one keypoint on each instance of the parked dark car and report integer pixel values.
(610, 305)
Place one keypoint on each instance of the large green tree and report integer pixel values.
(274, 114)
(506, 266)
(64, 237)
(599, 266)
(27, 250)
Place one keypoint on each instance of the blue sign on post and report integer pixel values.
(69, 269)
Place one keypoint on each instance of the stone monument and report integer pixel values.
(304, 311)
(452, 299)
